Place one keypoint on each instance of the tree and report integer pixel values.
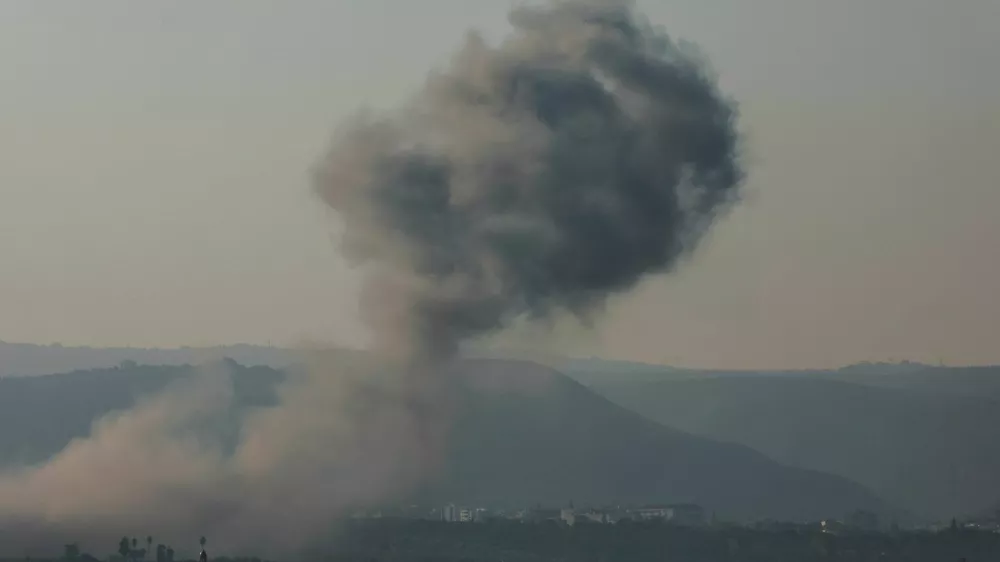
(123, 548)
(202, 542)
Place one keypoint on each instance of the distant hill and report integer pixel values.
(24, 359)
(925, 439)
(981, 382)
(524, 434)
(537, 436)
(884, 368)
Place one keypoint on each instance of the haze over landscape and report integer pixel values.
(131, 155)
(316, 279)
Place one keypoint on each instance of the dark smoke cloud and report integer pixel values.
(584, 152)
(528, 179)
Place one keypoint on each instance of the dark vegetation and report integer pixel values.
(404, 540)
(387, 540)
(420, 541)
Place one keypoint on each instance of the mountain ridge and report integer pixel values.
(927, 443)
(24, 359)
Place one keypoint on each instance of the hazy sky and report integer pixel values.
(154, 162)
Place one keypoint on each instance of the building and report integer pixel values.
(572, 517)
(648, 512)
(568, 516)
(455, 514)
(681, 514)
(540, 515)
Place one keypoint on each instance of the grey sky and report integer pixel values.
(154, 160)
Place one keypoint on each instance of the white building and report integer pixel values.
(683, 514)
(455, 514)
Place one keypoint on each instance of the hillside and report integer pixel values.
(40, 415)
(925, 440)
(537, 436)
(524, 434)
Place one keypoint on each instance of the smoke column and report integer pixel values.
(534, 177)
(584, 152)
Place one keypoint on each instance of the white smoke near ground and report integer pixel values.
(127, 467)
(337, 441)
(529, 180)
(136, 454)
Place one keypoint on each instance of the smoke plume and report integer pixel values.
(526, 179)
(584, 152)
(343, 436)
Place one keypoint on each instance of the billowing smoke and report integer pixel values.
(345, 435)
(534, 177)
(543, 174)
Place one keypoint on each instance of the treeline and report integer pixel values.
(506, 541)
(88, 557)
